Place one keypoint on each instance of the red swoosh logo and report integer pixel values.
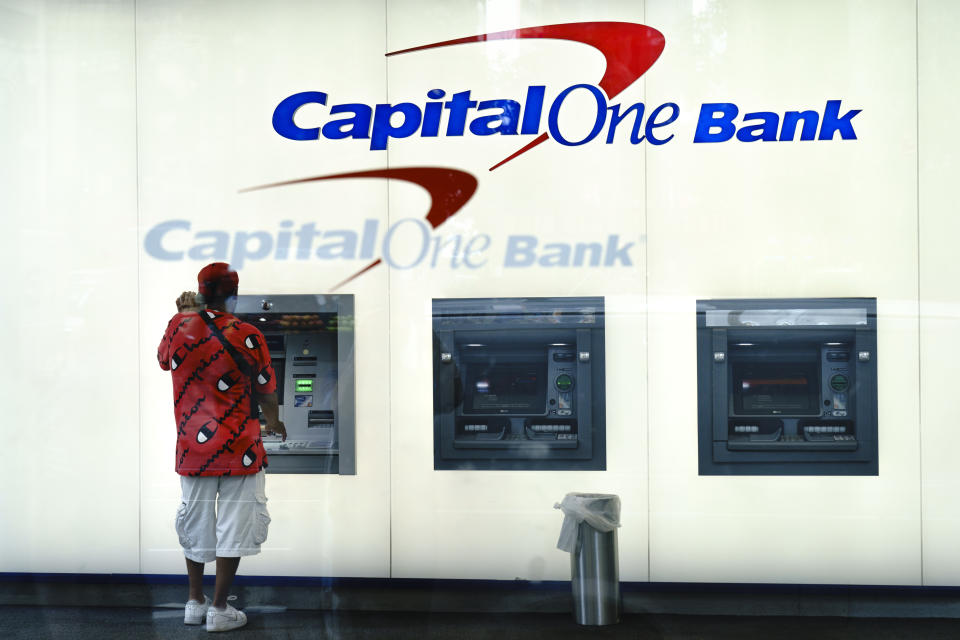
(449, 190)
(629, 49)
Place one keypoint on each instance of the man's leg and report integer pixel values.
(195, 576)
(196, 526)
(242, 521)
(226, 570)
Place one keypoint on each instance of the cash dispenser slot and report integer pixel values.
(317, 419)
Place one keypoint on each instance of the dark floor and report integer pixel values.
(103, 623)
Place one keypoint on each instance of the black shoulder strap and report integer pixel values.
(236, 356)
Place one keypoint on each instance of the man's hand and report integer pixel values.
(187, 302)
(270, 408)
(277, 428)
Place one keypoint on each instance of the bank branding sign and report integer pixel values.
(629, 49)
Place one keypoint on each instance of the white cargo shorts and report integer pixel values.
(222, 516)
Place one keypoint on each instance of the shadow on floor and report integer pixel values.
(103, 623)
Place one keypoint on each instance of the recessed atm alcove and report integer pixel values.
(519, 383)
(310, 338)
(787, 386)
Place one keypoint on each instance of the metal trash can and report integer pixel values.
(589, 533)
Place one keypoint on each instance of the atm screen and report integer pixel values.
(514, 388)
(776, 389)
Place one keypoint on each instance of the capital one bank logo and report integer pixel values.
(629, 51)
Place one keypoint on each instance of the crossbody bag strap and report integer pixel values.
(242, 364)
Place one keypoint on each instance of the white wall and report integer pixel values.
(69, 254)
(939, 295)
(807, 219)
(119, 117)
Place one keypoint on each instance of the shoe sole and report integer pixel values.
(231, 628)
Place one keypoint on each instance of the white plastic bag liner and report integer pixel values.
(599, 510)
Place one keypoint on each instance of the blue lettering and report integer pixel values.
(554, 125)
(615, 254)
(369, 237)
(616, 118)
(580, 253)
(241, 249)
(424, 243)
(532, 109)
(153, 243)
(652, 123)
(520, 251)
(359, 123)
(831, 123)
(459, 104)
(556, 254)
(766, 130)
(716, 115)
(283, 115)
(790, 119)
(431, 114)
(470, 250)
(305, 237)
(216, 249)
(345, 248)
(383, 128)
(505, 122)
(283, 241)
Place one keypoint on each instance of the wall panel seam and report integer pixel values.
(919, 289)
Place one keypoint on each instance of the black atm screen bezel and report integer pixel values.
(476, 371)
(772, 374)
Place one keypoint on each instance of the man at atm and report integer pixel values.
(221, 371)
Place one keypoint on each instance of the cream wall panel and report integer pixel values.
(207, 90)
(68, 252)
(801, 219)
(500, 524)
(939, 297)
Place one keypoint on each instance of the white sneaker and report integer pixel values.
(225, 619)
(195, 612)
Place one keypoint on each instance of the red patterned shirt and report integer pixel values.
(218, 433)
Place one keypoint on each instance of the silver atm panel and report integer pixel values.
(311, 344)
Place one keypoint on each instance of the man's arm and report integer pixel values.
(270, 406)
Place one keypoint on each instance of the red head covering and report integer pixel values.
(217, 280)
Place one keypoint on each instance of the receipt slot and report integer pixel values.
(519, 383)
(310, 338)
(787, 386)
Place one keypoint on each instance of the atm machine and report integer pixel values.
(787, 386)
(310, 338)
(519, 383)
